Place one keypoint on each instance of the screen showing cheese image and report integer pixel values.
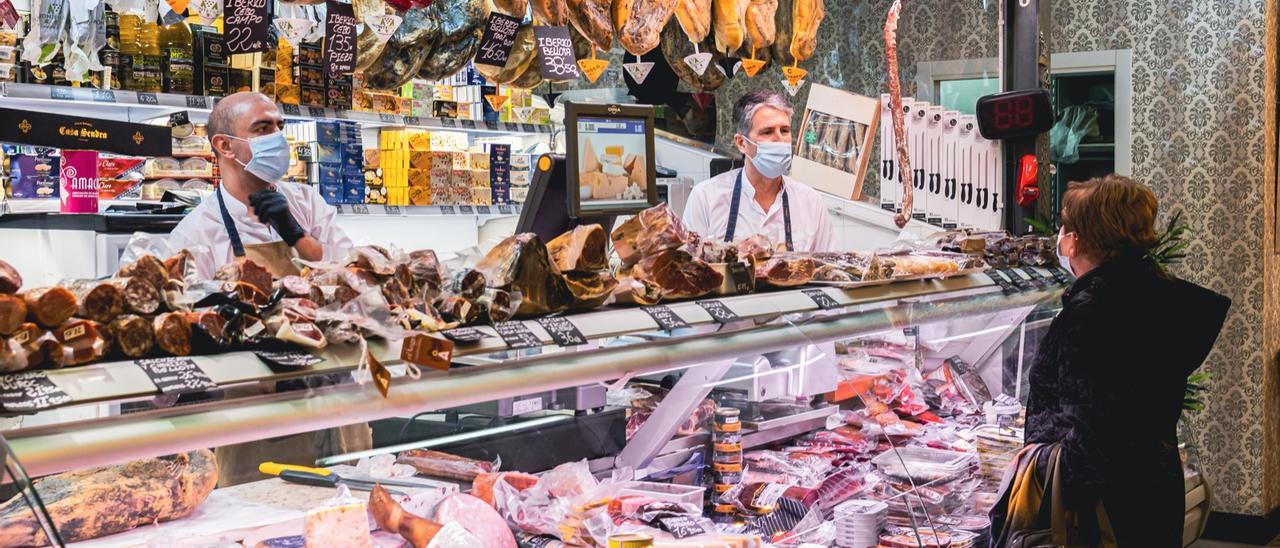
(611, 161)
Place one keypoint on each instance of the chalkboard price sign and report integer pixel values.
(821, 298)
(718, 311)
(30, 391)
(463, 335)
(562, 331)
(176, 375)
(245, 25)
(666, 318)
(555, 53)
(517, 335)
(286, 361)
(499, 38)
(340, 38)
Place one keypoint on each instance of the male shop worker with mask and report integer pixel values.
(760, 198)
(253, 214)
(256, 216)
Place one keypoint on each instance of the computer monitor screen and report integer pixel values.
(611, 164)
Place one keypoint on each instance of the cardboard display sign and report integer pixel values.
(245, 26)
(499, 38)
(555, 53)
(27, 127)
(340, 38)
(427, 351)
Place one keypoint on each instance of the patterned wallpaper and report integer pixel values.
(1198, 140)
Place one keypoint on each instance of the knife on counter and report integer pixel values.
(321, 477)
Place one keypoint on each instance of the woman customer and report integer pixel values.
(1109, 378)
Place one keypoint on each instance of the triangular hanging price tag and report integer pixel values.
(523, 114)
(384, 25)
(698, 62)
(496, 101)
(791, 88)
(208, 10)
(593, 68)
(752, 67)
(294, 30)
(730, 65)
(639, 71)
(794, 75)
(381, 375)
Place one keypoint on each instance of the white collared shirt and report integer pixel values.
(707, 213)
(203, 233)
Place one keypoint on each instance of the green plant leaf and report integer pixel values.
(1039, 226)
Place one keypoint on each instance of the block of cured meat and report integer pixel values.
(592, 19)
(13, 313)
(729, 18)
(443, 465)
(96, 502)
(339, 526)
(678, 274)
(651, 231)
(447, 58)
(553, 13)
(147, 267)
(467, 283)
(478, 518)
(133, 335)
(675, 48)
(84, 339)
(140, 296)
(393, 518)
(247, 271)
(49, 306)
(590, 289)
(180, 266)
(806, 15)
(786, 272)
(521, 264)
(640, 22)
(695, 18)
(583, 248)
(375, 259)
(761, 24)
(27, 340)
(497, 305)
(457, 309)
(523, 55)
(636, 291)
(173, 333)
(299, 288)
(10, 280)
(99, 301)
(208, 331)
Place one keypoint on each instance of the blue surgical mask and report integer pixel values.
(270, 161)
(772, 158)
(1064, 260)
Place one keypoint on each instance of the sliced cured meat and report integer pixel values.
(786, 272)
(695, 18)
(583, 248)
(250, 294)
(640, 22)
(521, 264)
(636, 291)
(729, 18)
(173, 333)
(467, 283)
(306, 333)
(374, 259)
(829, 273)
(761, 24)
(84, 339)
(392, 517)
(13, 313)
(552, 13)
(395, 292)
(299, 288)
(757, 247)
(424, 317)
(443, 465)
(133, 335)
(295, 309)
(678, 274)
(49, 306)
(10, 280)
(477, 517)
(208, 331)
(180, 266)
(359, 279)
(147, 267)
(652, 231)
(98, 301)
(140, 296)
(522, 56)
(592, 19)
(806, 15)
(247, 271)
(590, 289)
(95, 502)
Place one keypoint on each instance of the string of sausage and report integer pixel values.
(899, 123)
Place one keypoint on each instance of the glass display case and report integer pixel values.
(880, 395)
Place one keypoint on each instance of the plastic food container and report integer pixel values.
(666, 491)
(923, 464)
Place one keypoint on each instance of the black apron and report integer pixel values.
(736, 204)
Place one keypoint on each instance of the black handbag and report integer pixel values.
(1042, 519)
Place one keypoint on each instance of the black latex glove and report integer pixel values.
(272, 208)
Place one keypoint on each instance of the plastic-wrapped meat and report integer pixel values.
(13, 313)
(444, 465)
(208, 331)
(339, 332)
(148, 268)
(483, 486)
(247, 271)
(424, 268)
(837, 487)
(10, 279)
(648, 233)
(393, 518)
(140, 296)
(678, 274)
(50, 306)
(761, 498)
(27, 353)
(479, 518)
(180, 266)
(583, 248)
(84, 339)
(301, 333)
(521, 264)
(590, 289)
(98, 301)
(395, 292)
(713, 251)
(374, 259)
(636, 291)
(359, 279)
(173, 333)
(457, 309)
(424, 317)
(786, 272)
(466, 283)
(132, 335)
(298, 287)
(497, 305)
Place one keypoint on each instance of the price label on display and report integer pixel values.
(291, 110)
(145, 98)
(504, 210)
(412, 121)
(463, 335)
(1018, 283)
(245, 26)
(1002, 282)
(316, 112)
(483, 210)
(490, 125)
(30, 391)
(197, 101)
(360, 209)
(1059, 275)
(393, 210)
(562, 331)
(387, 118)
(340, 37)
(288, 361)
(555, 53)
(821, 298)
(467, 210)
(448, 122)
(104, 96)
(666, 318)
(448, 210)
(1037, 279)
(517, 335)
(381, 375)
(468, 124)
(176, 375)
(62, 93)
(718, 311)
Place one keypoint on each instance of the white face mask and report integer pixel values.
(1064, 260)
(772, 158)
(270, 161)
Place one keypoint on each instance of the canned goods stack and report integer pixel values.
(726, 458)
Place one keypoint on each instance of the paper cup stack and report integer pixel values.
(859, 522)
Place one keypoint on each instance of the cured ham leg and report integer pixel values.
(899, 123)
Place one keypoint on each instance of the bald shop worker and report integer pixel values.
(253, 213)
(760, 198)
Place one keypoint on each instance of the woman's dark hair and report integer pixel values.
(1112, 216)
